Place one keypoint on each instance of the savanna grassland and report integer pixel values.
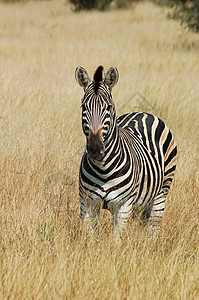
(44, 251)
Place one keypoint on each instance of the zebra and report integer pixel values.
(129, 161)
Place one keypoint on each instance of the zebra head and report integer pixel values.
(98, 109)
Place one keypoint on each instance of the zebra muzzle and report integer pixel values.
(95, 147)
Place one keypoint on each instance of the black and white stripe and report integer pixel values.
(129, 162)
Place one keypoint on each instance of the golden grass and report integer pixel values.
(44, 251)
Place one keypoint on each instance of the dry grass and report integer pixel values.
(44, 252)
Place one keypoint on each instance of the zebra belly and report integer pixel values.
(136, 194)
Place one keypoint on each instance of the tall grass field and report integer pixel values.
(45, 253)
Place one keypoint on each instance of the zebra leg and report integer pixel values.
(89, 212)
(121, 214)
(158, 206)
(156, 214)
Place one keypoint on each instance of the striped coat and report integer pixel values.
(129, 162)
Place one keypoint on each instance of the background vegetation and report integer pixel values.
(187, 11)
(44, 251)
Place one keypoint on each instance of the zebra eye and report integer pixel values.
(85, 129)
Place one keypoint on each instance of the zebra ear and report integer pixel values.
(111, 77)
(82, 77)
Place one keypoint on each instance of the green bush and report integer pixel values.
(90, 4)
(98, 4)
(187, 11)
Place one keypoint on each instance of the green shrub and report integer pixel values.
(90, 4)
(98, 4)
(187, 11)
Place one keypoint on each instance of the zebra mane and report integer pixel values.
(98, 77)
